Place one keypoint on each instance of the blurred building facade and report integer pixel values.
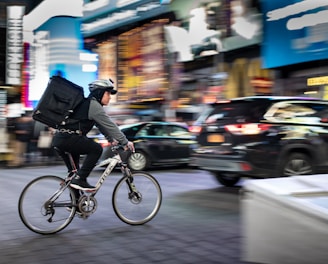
(185, 53)
(197, 37)
(10, 93)
(128, 37)
(188, 52)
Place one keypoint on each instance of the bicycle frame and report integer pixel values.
(111, 163)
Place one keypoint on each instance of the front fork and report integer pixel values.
(134, 195)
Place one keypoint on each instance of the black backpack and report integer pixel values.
(58, 102)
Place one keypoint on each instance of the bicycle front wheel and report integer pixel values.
(137, 199)
(46, 205)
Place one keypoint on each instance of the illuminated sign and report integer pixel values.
(91, 6)
(87, 66)
(121, 3)
(294, 27)
(127, 15)
(15, 54)
(3, 121)
(141, 63)
(3, 102)
(88, 57)
(116, 17)
(317, 81)
(108, 62)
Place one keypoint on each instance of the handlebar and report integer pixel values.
(124, 154)
(116, 148)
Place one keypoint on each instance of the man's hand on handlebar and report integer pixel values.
(129, 146)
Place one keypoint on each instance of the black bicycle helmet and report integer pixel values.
(105, 85)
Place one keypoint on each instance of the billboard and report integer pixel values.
(141, 63)
(14, 47)
(295, 31)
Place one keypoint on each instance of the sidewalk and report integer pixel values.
(35, 160)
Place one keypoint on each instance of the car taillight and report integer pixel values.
(247, 129)
(104, 143)
(195, 129)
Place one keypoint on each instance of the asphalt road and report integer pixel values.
(199, 222)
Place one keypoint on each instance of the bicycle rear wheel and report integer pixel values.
(46, 205)
(139, 205)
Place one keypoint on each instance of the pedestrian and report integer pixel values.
(23, 132)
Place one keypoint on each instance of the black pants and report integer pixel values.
(78, 145)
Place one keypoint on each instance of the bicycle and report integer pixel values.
(48, 204)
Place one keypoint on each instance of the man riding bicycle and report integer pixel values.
(72, 137)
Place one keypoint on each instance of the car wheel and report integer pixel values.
(297, 164)
(138, 161)
(226, 178)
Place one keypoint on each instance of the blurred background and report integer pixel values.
(169, 59)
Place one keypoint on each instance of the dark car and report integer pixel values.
(264, 137)
(156, 144)
(196, 126)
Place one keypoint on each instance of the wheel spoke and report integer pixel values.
(138, 204)
(41, 215)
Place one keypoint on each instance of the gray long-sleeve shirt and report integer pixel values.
(106, 126)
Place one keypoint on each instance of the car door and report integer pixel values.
(181, 140)
(153, 140)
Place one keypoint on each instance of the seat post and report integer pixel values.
(69, 155)
(68, 159)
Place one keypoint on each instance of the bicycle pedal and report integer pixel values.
(82, 216)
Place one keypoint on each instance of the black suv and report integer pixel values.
(264, 137)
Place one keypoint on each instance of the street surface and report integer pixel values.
(199, 222)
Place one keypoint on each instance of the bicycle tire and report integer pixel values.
(132, 210)
(40, 217)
